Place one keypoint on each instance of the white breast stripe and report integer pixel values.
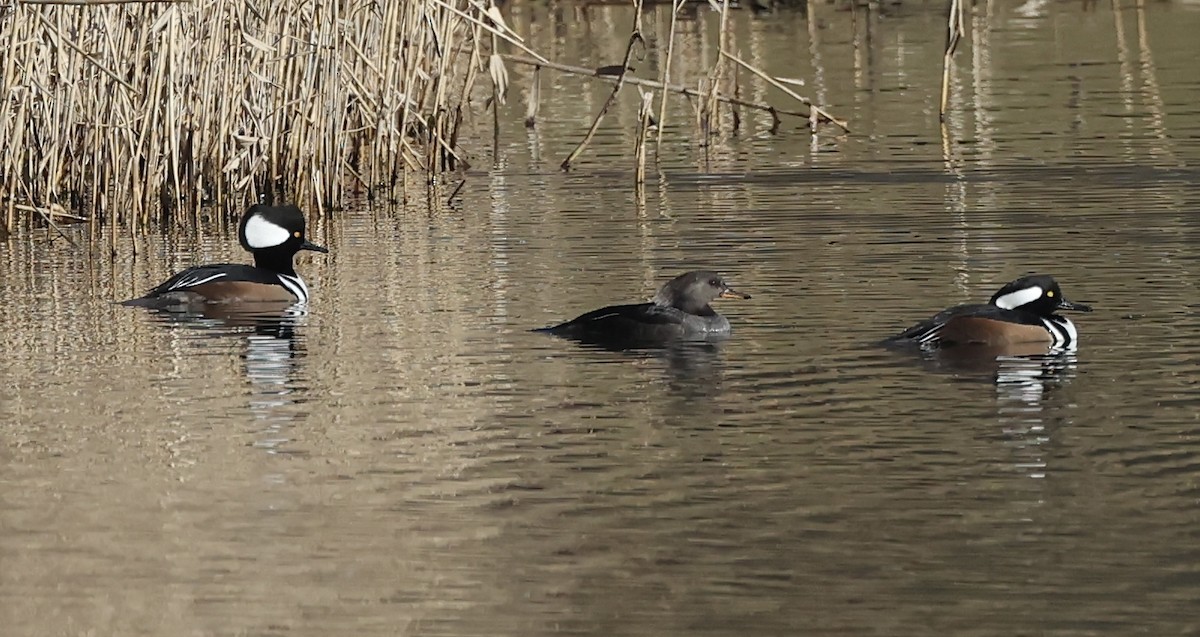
(1072, 333)
(1054, 333)
(295, 285)
(194, 280)
(1062, 330)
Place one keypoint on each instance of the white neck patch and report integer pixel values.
(261, 233)
(1013, 300)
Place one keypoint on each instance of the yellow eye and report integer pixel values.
(1048, 292)
(296, 234)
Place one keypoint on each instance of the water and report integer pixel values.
(406, 458)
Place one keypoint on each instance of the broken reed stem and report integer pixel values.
(666, 75)
(48, 215)
(954, 32)
(637, 81)
(634, 38)
(640, 144)
(709, 111)
(535, 98)
(495, 25)
(499, 75)
(813, 109)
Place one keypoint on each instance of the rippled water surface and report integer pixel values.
(407, 458)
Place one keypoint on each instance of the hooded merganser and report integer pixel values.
(273, 234)
(680, 311)
(1022, 312)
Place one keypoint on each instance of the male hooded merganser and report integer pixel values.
(680, 311)
(274, 234)
(1022, 312)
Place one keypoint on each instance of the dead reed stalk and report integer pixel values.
(635, 38)
(816, 113)
(647, 106)
(676, 6)
(709, 113)
(954, 32)
(673, 88)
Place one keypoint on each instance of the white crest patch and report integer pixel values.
(1013, 300)
(261, 233)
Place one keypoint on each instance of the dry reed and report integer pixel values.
(126, 109)
(671, 88)
(676, 7)
(639, 152)
(635, 39)
(954, 33)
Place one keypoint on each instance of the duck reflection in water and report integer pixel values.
(272, 355)
(679, 312)
(690, 365)
(1019, 372)
(277, 319)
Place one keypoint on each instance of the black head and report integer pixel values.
(693, 291)
(278, 229)
(1036, 293)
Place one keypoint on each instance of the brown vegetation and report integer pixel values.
(123, 109)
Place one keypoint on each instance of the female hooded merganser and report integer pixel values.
(1022, 312)
(274, 234)
(680, 311)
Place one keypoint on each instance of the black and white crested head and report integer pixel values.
(274, 228)
(274, 234)
(691, 292)
(1036, 293)
(264, 227)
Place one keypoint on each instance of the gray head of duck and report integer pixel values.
(1036, 293)
(693, 291)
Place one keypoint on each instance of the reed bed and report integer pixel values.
(131, 108)
(128, 110)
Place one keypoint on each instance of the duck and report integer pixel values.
(1023, 312)
(273, 234)
(679, 311)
